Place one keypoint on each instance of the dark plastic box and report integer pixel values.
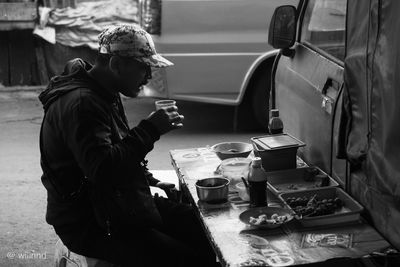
(277, 151)
(350, 211)
(294, 180)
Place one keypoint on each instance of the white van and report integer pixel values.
(219, 48)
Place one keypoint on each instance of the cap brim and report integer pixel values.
(156, 61)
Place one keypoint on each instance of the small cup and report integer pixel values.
(243, 191)
(164, 104)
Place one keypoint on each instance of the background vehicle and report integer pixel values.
(219, 48)
(336, 87)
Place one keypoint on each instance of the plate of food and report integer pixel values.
(266, 217)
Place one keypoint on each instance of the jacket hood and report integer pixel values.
(73, 77)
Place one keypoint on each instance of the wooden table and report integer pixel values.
(238, 244)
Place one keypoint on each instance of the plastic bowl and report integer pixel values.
(213, 190)
(228, 150)
(234, 169)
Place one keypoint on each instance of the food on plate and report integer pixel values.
(314, 206)
(263, 219)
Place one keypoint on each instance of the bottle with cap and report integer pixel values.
(257, 184)
(275, 125)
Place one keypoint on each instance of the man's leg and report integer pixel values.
(139, 247)
(181, 223)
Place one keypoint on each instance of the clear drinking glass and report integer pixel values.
(164, 104)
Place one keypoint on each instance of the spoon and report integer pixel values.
(245, 182)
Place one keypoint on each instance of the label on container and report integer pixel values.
(311, 240)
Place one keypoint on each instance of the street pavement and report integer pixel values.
(25, 238)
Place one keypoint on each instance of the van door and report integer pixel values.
(308, 84)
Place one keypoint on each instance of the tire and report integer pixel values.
(260, 100)
(253, 111)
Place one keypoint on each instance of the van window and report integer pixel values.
(324, 26)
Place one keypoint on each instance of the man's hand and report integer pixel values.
(169, 188)
(166, 120)
(165, 185)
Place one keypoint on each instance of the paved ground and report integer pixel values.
(25, 238)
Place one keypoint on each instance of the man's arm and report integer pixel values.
(88, 135)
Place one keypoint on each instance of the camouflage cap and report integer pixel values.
(131, 41)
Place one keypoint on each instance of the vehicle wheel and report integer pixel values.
(260, 100)
(253, 111)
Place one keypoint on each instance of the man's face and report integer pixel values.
(131, 76)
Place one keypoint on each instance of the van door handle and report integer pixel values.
(328, 99)
(327, 104)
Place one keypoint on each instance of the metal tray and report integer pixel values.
(299, 179)
(350, 211)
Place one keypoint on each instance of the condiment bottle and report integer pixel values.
(275, 125)
(257, 184)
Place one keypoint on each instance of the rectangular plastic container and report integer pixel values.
(277, 151)
(349, 213)
(294, 180)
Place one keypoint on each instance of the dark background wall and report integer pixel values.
(28, 60)
(18, 64)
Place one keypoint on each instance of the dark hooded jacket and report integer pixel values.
(86, 143)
